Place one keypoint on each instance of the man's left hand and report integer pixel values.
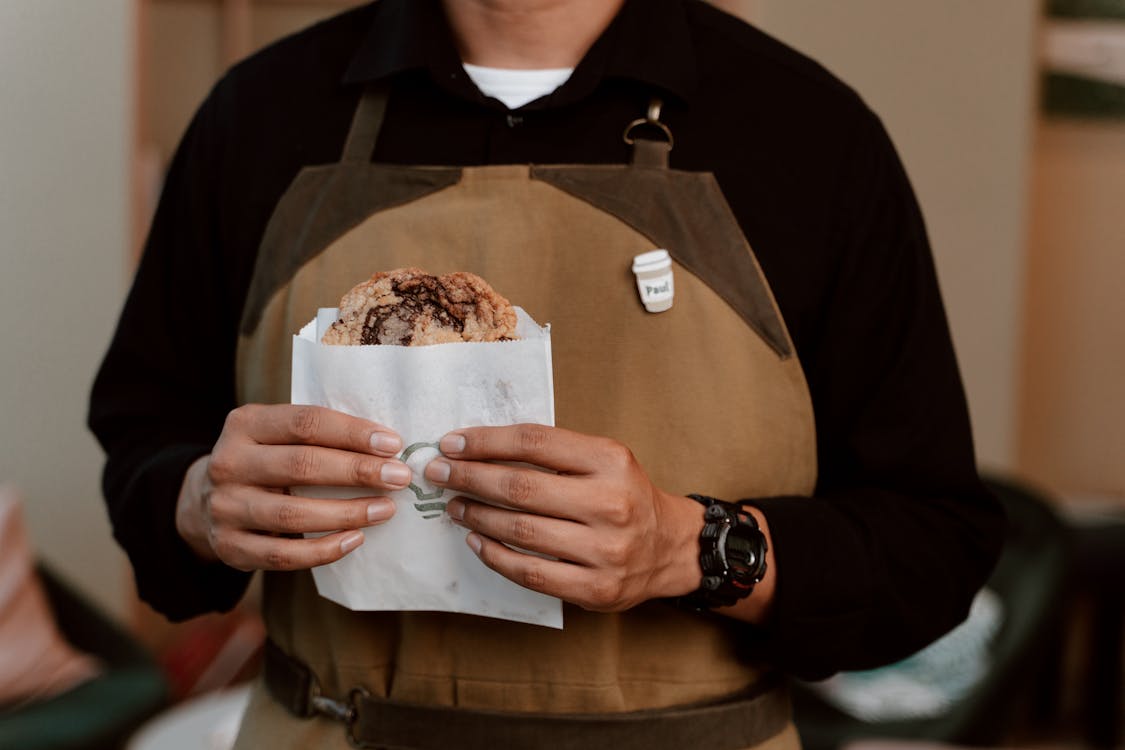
(617, 540)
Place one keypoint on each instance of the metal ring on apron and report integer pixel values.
(652, 119)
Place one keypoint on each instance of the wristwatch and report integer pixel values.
(732, 555)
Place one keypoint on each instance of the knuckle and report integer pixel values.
(291, 517)
(224, 549)
(523, 530)
(240, 418)
(277, 559)
(533, 578)
(616, 553)
(616, 454)
(219, 506)
(358, 434)
(364, 471)
(305, 423)
(235, 419)
(464, 475)
(532, 437)
(519, 487)
(354, 516)
(221, 467)
(303, 464)
(605, 594)
(618, 511)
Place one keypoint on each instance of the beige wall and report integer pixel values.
(954, 83)
(1073, 405)
(185, 44)
(64, 126)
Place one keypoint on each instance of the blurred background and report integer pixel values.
(1009, 116)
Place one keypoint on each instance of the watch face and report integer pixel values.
(731, 554)
(742, 553)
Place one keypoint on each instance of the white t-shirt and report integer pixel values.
(517, 87)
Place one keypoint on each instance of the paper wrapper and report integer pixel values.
(419, 560)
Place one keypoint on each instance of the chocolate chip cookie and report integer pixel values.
(410, 307)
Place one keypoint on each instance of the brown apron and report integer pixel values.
(709, 395)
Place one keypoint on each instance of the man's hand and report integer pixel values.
(619, 539)
(235, 505)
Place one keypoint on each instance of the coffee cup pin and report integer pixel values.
(654, 280)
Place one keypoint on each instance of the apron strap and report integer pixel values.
(743, 720)
(366, 123)
(648, 152)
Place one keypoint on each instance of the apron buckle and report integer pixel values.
(344, 711)
(333, 709)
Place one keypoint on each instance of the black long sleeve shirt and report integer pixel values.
(900, 532)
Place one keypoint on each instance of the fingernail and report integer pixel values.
(379, 512)
(455, 509)
(438, 471)
(452, 443)
(351, 541)
(395, 474)
(473, 541)
(381, 442)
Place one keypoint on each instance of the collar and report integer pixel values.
(648, 42)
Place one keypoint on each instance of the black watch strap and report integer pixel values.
(732, 555)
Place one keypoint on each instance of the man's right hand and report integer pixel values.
(235, 507)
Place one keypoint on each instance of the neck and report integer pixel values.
(527, 34)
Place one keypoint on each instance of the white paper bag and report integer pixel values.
(419, 560)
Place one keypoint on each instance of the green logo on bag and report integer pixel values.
(426, 504)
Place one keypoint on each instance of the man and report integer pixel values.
(805, 367)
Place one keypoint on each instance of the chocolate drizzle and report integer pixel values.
(420, 296)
